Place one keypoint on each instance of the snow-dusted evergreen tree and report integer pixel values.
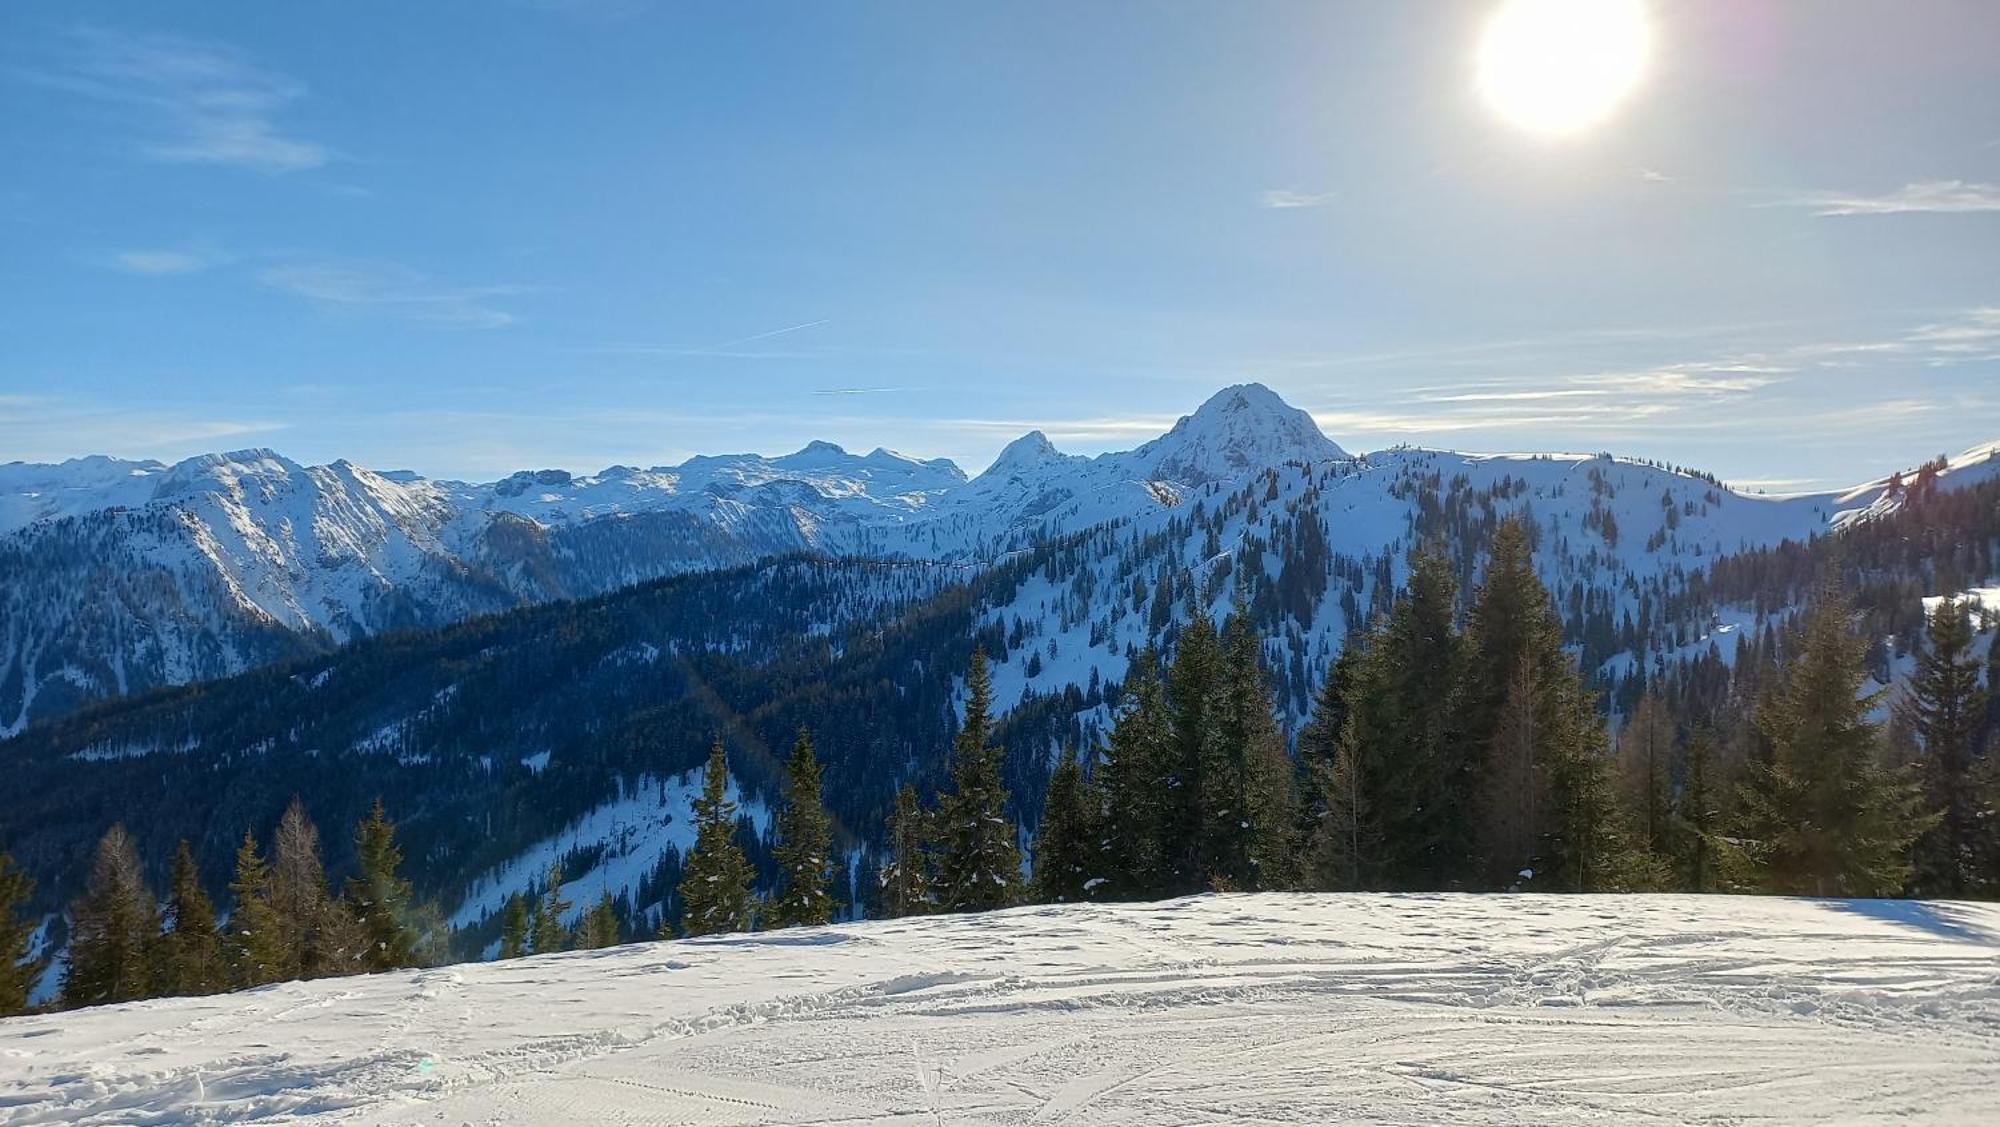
(190, 959)
(547, 932)
(514, 927)
(600, 925)
(805, 844)
(715, 882)
(1824, 816)
(905, 879)
(1133, 774)
(1065, 842)
(979, 860)
(17, 972)
(113, 928)
(1946, 709)
(256, 945)
(379, 897)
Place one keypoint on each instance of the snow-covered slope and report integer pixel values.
(118, 576)
(1220, 1009)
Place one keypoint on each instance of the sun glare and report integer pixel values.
(1558, 67)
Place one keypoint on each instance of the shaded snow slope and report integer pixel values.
(1232, 1009)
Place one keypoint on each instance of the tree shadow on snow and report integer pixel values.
(1951, 921)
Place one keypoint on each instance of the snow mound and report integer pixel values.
(1242, 1009)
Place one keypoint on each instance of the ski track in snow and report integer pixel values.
(1220, 1009)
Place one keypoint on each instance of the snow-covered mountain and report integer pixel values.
(117, 576)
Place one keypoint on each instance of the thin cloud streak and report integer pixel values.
(394, 290)
(1919, 197)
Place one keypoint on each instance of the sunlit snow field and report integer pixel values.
(1233, 1009)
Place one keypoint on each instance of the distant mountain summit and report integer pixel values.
(1240, 430)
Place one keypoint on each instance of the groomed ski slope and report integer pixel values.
(1223, 1009)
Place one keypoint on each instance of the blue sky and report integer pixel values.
(467, 237)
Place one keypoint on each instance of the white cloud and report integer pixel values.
(161, 262)
(1923, 196)
(393, 290)
(42, 428)
(1287, 198)
(204, 103)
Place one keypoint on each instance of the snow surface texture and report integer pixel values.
(1222, 1009)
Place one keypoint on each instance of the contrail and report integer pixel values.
(766, 336)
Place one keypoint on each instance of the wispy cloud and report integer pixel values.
(392, 290)
(155, 263)
(46, 428)
(856, 390)
(1282, 198)
(728, 349)
(1923, 196)
(202, 102)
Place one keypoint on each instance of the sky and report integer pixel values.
(471, 236)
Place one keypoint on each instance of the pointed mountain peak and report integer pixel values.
(1239, 430)
(1026, 452)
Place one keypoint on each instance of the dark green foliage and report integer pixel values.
(1824, 816)
(1193, 686)
(256, 943)
(1698, 820)
(715, 883)
(905, 878)
(379, 897)
(113, 927)
(600, 925)
(514, 927)
(547, 931)
(189, 959)
(1646, 754)
(1134, 775)
(17, 972)
(318, 935)
(1946, 709)
(805, 844)
(1065, 843)
(979, 861)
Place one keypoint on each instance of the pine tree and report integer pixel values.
(715, 884)
(18, 973)
(548, 932)
(1645, 763)
(1133, 774)
(1407, 783)
(379, 897)
(1946, 709)
(1698, 819)
(805, 844)
(190, 959)
(979, 862)
(113, 927)
(1194, 683)
(319, 935)
(1064, 843)
(257, 944)
(1824, 817)
(905, 881)
(600, 925)
(514, 927)
(1337, 811)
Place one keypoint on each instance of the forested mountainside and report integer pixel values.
(574, 731)
(117, 577)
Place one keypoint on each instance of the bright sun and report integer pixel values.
(1557, 67)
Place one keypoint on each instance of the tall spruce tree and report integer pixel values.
(547, 932)
(979, 859)
(1336, 808)
(715, 882)
(1646, 754)
(1194, 684)
(1065, 841)
(113, 928)
(1823, 816)
(18, 972)
(514, 926)
(190, 958)
(1132, 773)
(256, 944)
(1408, 783)
(805, 844)
(1698, 818)
(905, 880)
(1945, 708)
(379, 897)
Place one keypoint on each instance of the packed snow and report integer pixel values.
(1219, 1009)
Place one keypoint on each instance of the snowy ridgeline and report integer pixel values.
(1251, 1009)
